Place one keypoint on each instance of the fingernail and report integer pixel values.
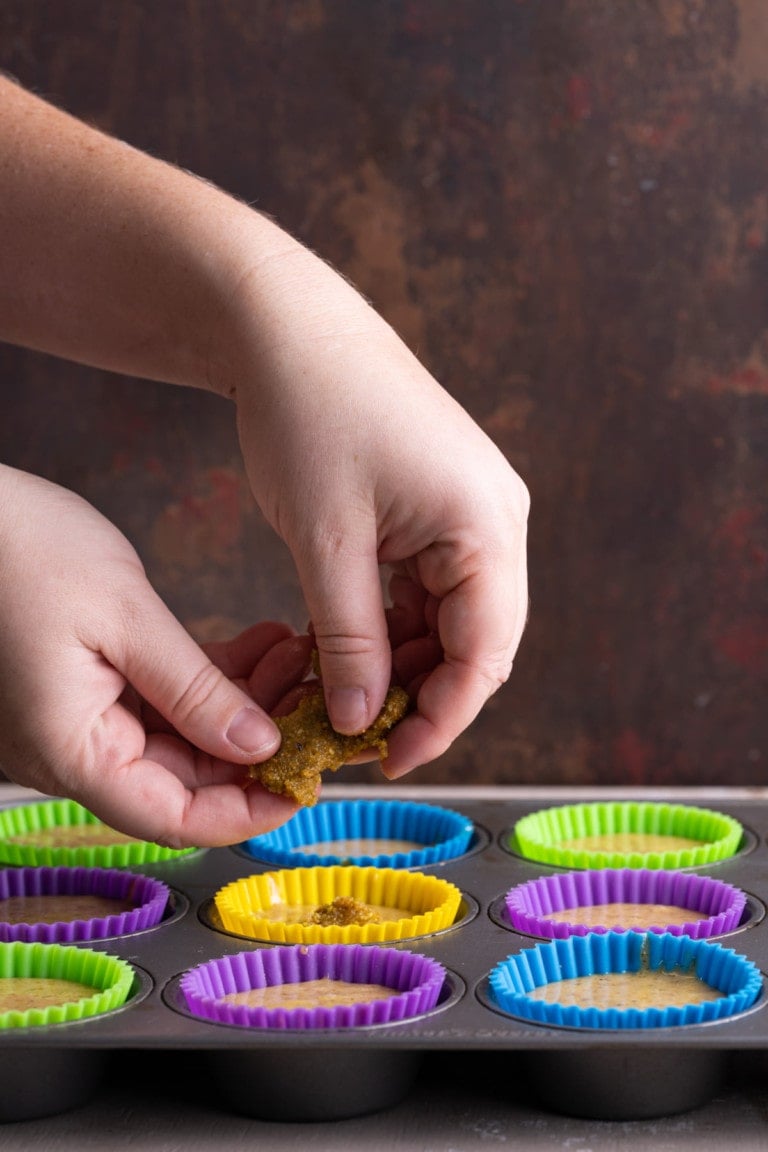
(252, 732)
(347, 710)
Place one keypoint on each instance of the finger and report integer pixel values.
(405, 593)
(480, 621)
(291, 700)
(238, 656)
(173, 674)
(410, 601)
(406, 614)
(415, 660)
(403, 625)
(346, 605)
(265, 660)
(448, 701)
(180, 798)
(280, 669)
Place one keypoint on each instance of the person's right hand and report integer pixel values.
(363, 463)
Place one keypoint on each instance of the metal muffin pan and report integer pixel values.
(332, 1074)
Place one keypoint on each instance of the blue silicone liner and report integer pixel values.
(442, 833)
(511, 981)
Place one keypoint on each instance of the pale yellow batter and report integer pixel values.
(646, 988)
(628, 842)
(323, 993)
(626, 915)
(60, 907)
(360, 847)
(72, 836)
(21, 993)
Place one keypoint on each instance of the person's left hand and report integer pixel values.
(106, 699)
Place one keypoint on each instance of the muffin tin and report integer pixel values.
(329, 1073)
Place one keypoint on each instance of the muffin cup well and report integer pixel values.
(543, 835)
(530, 905)
(437, 834)
(417, 981)
(148, 896)
(431, 904)
(110, 978)
(737, 979)
(301, 1084)
(28, 835)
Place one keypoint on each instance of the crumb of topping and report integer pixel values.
(342, 911)
(311, 746)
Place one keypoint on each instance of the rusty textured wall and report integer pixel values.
(562, 205)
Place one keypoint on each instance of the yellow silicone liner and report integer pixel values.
(110, 977)
(432, 902)
(48, 815)
(539, 835)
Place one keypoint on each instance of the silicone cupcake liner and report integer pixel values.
(436, 833)
(512, 981)
(149, 898)
(417, 980)
(25, 828)
(431, 903)
(110, 977)
(530, 905)
(540, 835)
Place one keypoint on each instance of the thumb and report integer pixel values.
(159, 658)
(346, 606)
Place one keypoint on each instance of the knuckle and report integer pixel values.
(494, 677)
(196, 694)
(344, 645)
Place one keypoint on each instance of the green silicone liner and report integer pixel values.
(111, 978)
(46, 814)
(539, 835)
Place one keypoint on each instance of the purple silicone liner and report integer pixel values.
(529, 904)
(418, 979)
(150, 897)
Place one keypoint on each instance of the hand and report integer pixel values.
(360, 461)
(105, 698)
(356, 455)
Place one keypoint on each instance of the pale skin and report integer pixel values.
(355, 454)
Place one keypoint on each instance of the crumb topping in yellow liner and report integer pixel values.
(339, 904)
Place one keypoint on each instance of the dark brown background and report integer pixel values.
(562, 206)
